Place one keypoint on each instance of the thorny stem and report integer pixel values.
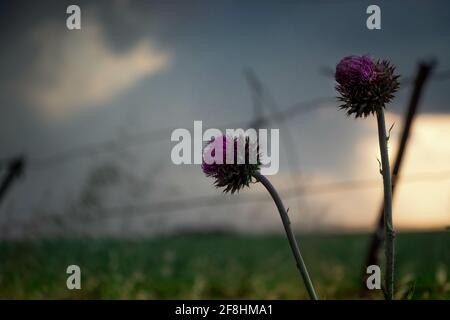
(388, 226)
(290, 234)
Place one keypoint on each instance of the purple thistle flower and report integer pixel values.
(234, 162)
(231, 168)
(365, 86)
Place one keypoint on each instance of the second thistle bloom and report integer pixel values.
(365, 85)
(231, 161)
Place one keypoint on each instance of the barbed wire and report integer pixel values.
(219, 200)
(114, 146)
(291, 192)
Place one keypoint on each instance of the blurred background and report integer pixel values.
(86, 176)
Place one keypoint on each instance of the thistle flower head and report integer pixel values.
(364, 85)
(231, 161)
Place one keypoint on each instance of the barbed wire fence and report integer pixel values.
(177, 204)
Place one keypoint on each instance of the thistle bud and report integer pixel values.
(231, 161)
(365, 86)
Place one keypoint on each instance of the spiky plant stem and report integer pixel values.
(290, 234)
(388, 226)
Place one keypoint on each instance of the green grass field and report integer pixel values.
(218, 267)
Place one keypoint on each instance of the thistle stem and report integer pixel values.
(388, 225)
(290, 234)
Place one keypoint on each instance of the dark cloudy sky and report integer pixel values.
(139, 66)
